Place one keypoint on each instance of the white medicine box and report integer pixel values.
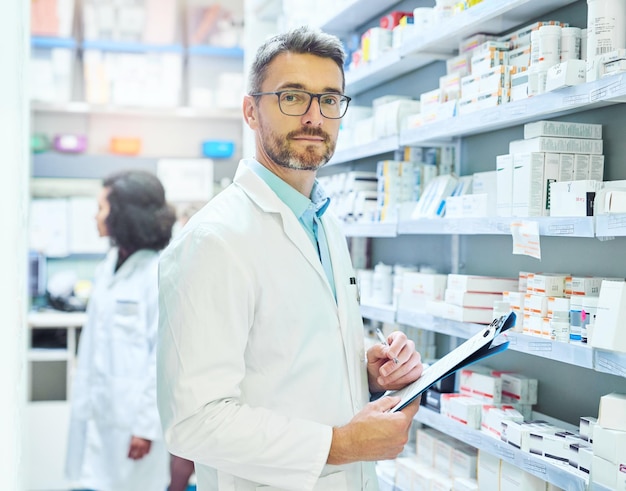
(52, 67)
(215, 77)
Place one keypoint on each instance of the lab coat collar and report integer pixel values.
(130, 265)
(259, 192)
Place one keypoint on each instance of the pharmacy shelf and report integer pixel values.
(548, 226)
(352, 14)
(381, 313)
(49, 42)
(488, 16)
(560, 475)
(609, 362)
(216, 51)
(55, 319)
(85, 166)
(386, 67)
(574, 353)
(371, 229)
(577, 354)
(604, 92)
(378, 147)
(613, 225)
(83, 108)
(430, 322)
(43, 354)
(129, 47)
(441, 40)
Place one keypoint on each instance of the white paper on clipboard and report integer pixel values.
(484, 343)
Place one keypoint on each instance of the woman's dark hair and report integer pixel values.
(139, 218)
(301, 40)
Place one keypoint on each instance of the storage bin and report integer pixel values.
(139, 21)
(215, 77)
(52, 69)
(52, 18)
(218, 149)
(129, 74)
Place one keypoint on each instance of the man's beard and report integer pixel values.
(278, 148)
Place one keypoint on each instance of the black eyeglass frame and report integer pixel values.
(311, 97)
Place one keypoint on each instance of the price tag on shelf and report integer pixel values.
(526, 238)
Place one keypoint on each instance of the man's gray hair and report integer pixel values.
(301, 40)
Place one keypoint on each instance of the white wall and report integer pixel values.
(14, 162)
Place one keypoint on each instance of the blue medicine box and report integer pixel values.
(218, 149)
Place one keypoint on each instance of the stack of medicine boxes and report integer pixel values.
(551, 152)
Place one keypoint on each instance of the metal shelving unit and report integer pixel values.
(351, 14)
(563, 476)
(441, 40)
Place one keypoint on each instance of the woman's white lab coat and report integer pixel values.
(257, 361)
(114, 386)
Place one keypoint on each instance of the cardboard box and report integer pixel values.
(504, 185)
(566, 167)
(551, 173)
(528, 184)
(463, 409)
(611, 476)
(418, 288)
(566, 74)
(519, 86)
(558, 145)
(581, 166)
(514, 478)
(596, 167)
(519, 388)
(562, 129)
(609, 444)
(462, 484)
(471, 299)
(581, 456)
(573, 198)
(586, 426)
(612, 411)
(488, 473)
(485, 284)
(464, 314)
(610, 331)
(464, 461)
(482, 386)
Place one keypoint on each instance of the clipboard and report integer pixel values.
(485, 343)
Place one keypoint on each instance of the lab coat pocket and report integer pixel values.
(130, 347)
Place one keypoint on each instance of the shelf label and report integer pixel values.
(535, 467)
(616, 221)
(526, 238)
(610, 366)
(474, 439)
(562, 229)
(538, 346)
(505, 453)
(603, 92)
(576, 100)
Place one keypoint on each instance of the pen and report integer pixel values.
(383, 340)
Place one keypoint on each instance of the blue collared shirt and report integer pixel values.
(308, 211)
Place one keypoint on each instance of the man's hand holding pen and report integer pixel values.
(392, 363)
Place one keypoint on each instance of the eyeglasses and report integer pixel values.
(298, 102)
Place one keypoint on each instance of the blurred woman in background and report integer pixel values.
(115, 437)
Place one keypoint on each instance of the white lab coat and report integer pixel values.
(256, 360)
(114, 385)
